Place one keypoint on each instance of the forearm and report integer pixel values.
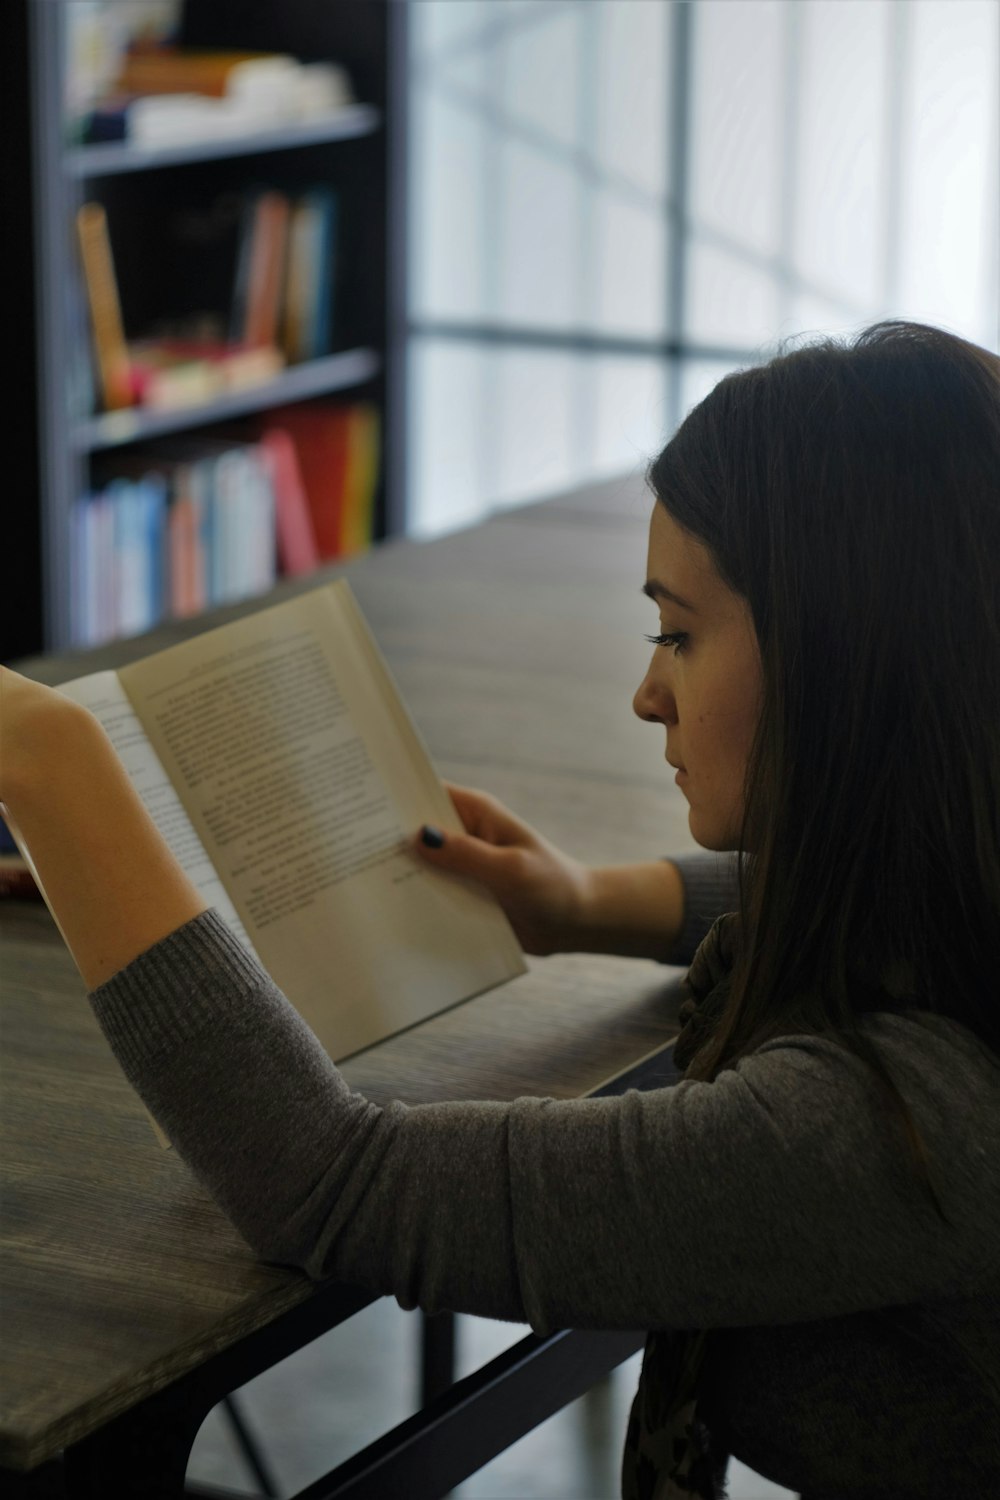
(109, 877)
(661, 910)
(634, 910)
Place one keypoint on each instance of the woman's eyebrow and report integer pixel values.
(655, 590)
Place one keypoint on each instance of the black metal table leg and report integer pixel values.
(134, 1459)
(437, 1355)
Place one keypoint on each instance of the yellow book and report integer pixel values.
(111, 352)
(360, 479)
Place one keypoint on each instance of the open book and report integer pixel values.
(278, 761)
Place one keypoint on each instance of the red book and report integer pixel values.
(296, 539)
(265, 276)
(185, 532)
(321, 435)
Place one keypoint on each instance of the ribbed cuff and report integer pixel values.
(710, 889)
(188, 981)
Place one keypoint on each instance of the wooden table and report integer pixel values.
(130, 1305)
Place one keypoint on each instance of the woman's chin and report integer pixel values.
(712, 833)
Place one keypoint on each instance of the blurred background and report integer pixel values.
(458, 254)
(440, 258)
(614, 202)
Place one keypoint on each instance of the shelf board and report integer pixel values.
(117, 157)
(317, 378)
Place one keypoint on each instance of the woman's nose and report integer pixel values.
(652, 701)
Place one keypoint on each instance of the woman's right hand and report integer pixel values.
(554, 903)
(542, 891)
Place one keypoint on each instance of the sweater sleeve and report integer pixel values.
(774, 1194)
(710, 889)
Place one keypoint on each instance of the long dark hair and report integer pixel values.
(850, 492)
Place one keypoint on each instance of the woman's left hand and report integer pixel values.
(32, 716)
(109, 877)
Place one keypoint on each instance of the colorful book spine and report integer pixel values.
(208, 522)
(265, 270)
(110, 349)
(360, 479)
(185, 566)
(295, 538)
(307, 323)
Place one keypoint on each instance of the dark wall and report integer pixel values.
(20, 536)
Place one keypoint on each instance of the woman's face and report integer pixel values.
(704, 685)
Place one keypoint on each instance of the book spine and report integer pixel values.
(320, 330)
(361, 480)
(181, 71)
(241, 517)
(264, 569)
(157, 558)
(295, 306)
(104, 575)
(320, 437)
(309, 282)
(127, 559)
(203, 494)
(267, 268)
(80, 585)
(110, 349)
(295, 539)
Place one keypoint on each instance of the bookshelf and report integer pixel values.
(64, 444)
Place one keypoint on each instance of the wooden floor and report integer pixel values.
(332, 1398)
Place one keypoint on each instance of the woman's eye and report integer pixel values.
(675, 638)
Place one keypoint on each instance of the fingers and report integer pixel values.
(487, 818)
(465, 854)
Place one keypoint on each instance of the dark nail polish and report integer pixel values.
(432, 837)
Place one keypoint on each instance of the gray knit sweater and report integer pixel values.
(855, 1344)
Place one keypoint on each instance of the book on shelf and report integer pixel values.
(118, 545)
(282, 767)
(307, 312)
(119, 56)
(199, 521)
(357, 515)
(281, 311)
(171, 534)
(294, 535)
(169, 96)
(186, 70)
(338, 448)
(109, 346)
(258, 293)
(187, 552)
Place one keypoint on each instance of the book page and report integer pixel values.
(107, 700)
(306, 780)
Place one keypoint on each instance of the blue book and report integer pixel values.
(319, 329)
(309, 277)
(155, 495)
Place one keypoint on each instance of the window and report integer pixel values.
(614, 202)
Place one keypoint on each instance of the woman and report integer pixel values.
(809, 1224)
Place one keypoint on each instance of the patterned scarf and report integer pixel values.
(668, 1449)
